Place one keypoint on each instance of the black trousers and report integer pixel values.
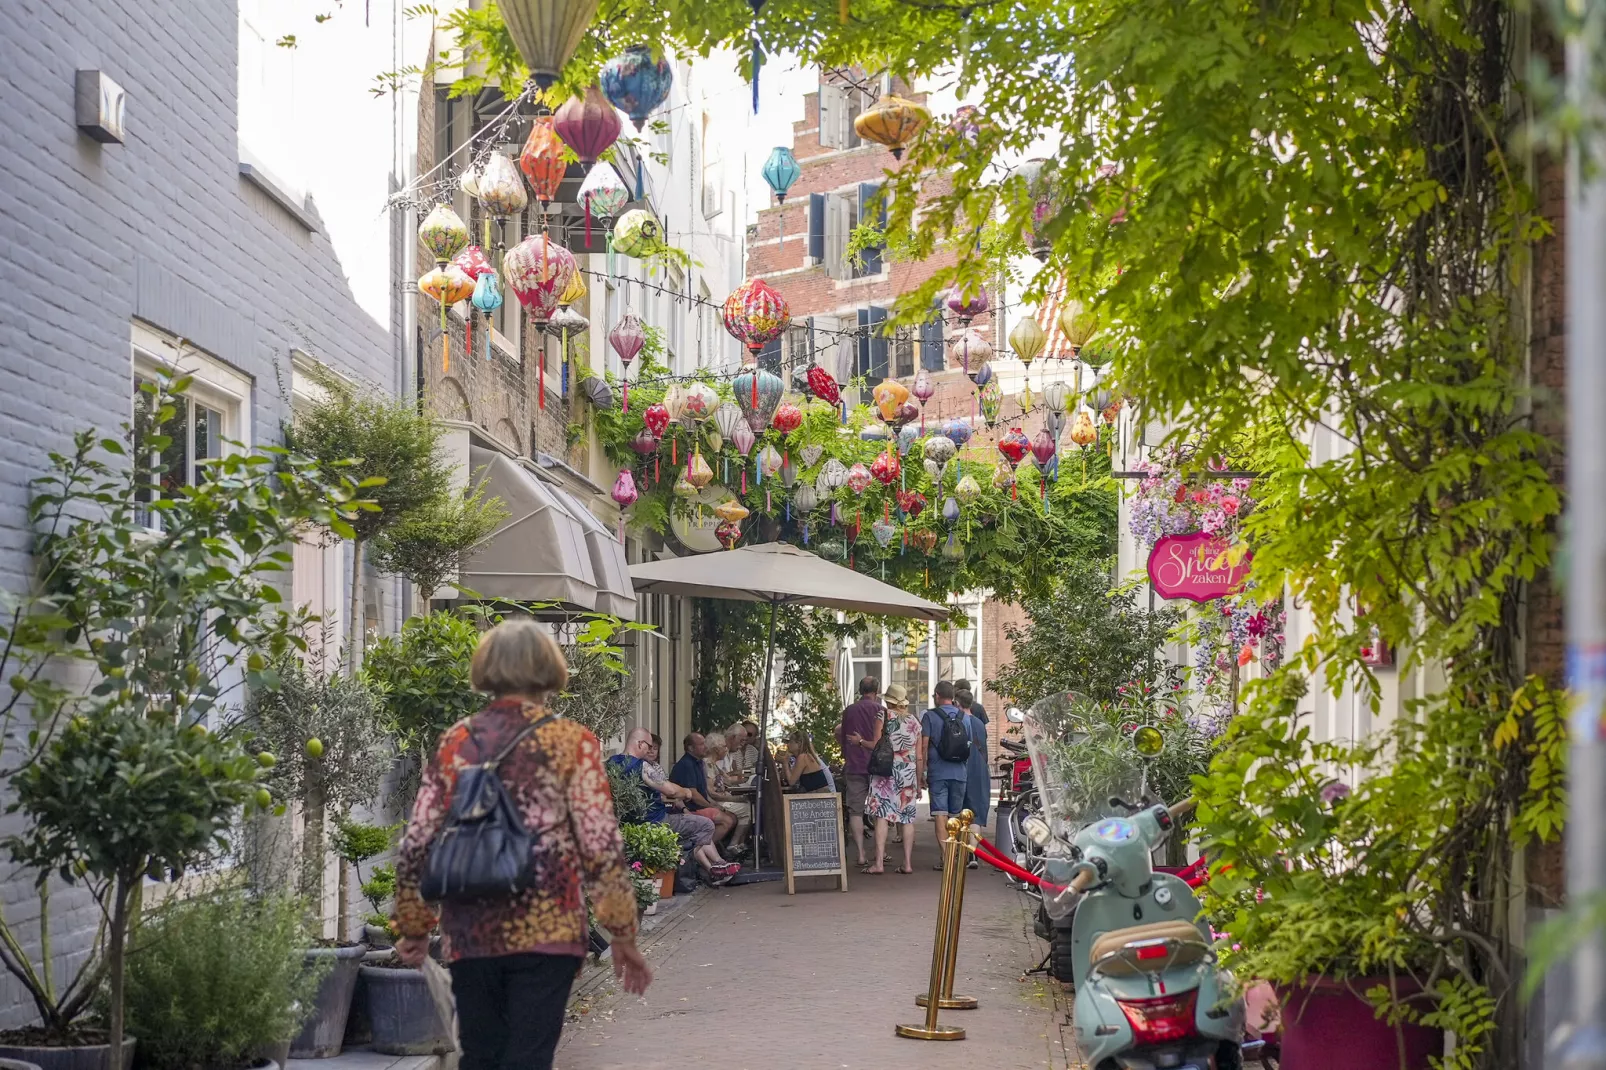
(510, 1009)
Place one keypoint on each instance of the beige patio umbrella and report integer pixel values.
(782, 575)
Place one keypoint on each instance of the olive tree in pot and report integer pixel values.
(330, 755)
(165, 599)
(220, 981)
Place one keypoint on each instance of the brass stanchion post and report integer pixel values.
(939, 946)
(956, 908)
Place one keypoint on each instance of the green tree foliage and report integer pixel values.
(431, 544)
(220, 978)
(1086, 636)
(390, 449)
(421, 675)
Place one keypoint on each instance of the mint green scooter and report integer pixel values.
(1149, 994)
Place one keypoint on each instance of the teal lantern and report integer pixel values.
(780, 171)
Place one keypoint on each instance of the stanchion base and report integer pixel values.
(920, 1032)
(952, 1003)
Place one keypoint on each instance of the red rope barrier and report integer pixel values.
(995, 858)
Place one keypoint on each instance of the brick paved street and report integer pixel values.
(752, 978)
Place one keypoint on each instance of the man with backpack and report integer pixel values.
(949, 733)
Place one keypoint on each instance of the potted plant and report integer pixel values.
(378, 889)
(355, 843)
(401, 1011)
(656, 850)
(648, 889)
(221, 979)
(321, 738)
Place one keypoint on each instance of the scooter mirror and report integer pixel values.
(1148, 741)
(1015, 714)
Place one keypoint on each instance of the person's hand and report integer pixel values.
(630, 967)
(413, 950)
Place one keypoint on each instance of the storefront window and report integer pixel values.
(908, 655)
(957, 656)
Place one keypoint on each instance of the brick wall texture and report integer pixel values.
(162, 229)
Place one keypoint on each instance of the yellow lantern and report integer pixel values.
(889, 396)
(698, 474)
(1083, 431)
(574, 291)
(893, 122)
(1078, 325)
(731, 511)
(1028, 340)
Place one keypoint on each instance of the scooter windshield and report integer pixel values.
(1079, 761)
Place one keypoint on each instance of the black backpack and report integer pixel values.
(483, 850)
(881, 756)
(954, 743)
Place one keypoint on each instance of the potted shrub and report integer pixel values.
(656, 849)
(378, 889)
(219, 980)
(321, 733)
(355, 843)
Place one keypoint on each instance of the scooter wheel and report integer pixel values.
(1061, 961)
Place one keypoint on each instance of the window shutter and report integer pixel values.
(872, 212)
(817, 227)
(836, 235)
(861, 366)
(832, 107)
(931, 343)
(770, 358)
(878, 345)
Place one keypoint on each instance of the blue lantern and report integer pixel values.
(487, 293)
(780, 171)
(635, 83)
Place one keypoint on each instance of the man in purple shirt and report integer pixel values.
(857, 734)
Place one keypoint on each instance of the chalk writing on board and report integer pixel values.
(816, 843)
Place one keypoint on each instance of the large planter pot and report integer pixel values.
(88, 1057)
(1329, 1025)
(402, 1013)
(324, 1032)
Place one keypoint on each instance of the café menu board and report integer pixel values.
(814, 844)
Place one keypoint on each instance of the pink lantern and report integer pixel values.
(859, 479)
(473, 262)
(645, 444)
(588, 124)
(624, 489)
(1043, 448)
(627, 338)
(788, 418)
(755, 314)
(967, 306)
(923, 389)
(885, 468)
(538, 270)
(656, 419)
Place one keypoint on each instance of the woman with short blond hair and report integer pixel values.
(514, 958)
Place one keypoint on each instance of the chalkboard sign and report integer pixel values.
(814, 844)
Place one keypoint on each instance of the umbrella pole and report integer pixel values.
(763, 740)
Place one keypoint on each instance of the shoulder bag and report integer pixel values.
(881, 756)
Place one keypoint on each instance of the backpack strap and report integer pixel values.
(515, 741)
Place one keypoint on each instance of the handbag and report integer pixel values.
(483, 849)
(881, 756)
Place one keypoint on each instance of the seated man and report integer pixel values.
(695, 831)
(719, 788)
(690, 774)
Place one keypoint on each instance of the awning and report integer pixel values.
(540, 553)
(615, 594)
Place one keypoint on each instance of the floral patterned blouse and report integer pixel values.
(556, 781)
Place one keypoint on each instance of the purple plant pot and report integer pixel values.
(1329, 1025)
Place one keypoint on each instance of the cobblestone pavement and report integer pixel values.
(749, 978)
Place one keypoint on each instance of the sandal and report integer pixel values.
(904, 869)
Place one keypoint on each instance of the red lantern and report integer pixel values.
(645, 443)
(473, 262)
(1043, 448)
(885, 468)
(1014, 446)
(587, 124)
(912, 502)
(824, 385)
(788, 418)
(657, 419)
(755, 314)
(544, 159)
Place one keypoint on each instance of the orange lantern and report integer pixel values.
(893, 122)
(889, 396)
(544, 159)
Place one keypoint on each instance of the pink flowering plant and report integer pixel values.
(1174, 498)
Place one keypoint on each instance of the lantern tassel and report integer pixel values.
(758, 61)
(657, 468)
(625, 389)
(468, 335)
(674, 451)
(641, 186)
(744, 479)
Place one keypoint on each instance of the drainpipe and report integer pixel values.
(1583, 1038)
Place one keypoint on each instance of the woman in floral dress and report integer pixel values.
(892, 798)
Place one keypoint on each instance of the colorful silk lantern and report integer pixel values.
(912, 502)
(968, 490)
(544, 159)
(1014, 445)
(756, 314)
(991, 400)
(811, 454)
(546, 33)
(859, 478)
(442, 234)
(675, 402)
(731, 511)
(638, 234)
(972, 349)
(925, 540)
(758, 392)
(957, 431)
(627, 338)
(624, 491)
(883, 532)
(698, 474)
(885, 468)
(967, 306)
(1077, 325)
(823, 385)
(889, 396)
(907, 434)
(645, 444)
(575, 290)
(1004, 479)
(1027, 339)
(1083, 431)
(805, 497)
(636, 83)
(501, 190)
(656, 419)
(939, 448)
(473, 262)
(1055, 396)
(701, 401)
(469, 180)
(487, 293)
(602, 195)
(1112, 411)
(780, 171)
(587, 124)
(539, 271)
(770, 461)
(982, 376)
(923, 389)
(1043, 448)
(788, 418)
(685, 488)
(950, 507)
(893, 121)
(447, 285)
(727, 418)
(728, 534)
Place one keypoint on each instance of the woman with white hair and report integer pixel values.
(719, 792)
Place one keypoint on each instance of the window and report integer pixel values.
(840, 213)
(840, 105)
(713, 188)
(908, 651)
(709, 330)
(797, 354)
(866, 660)
(675, 284)
(903, 354)
(957, 654)
(195, 436)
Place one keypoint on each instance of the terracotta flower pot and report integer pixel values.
(666, 884)
(1330, 1025)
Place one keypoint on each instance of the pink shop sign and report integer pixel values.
(1196, 566)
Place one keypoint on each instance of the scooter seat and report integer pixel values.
(1186, 947)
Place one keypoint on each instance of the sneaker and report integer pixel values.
(972, 864)
(723, 874)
